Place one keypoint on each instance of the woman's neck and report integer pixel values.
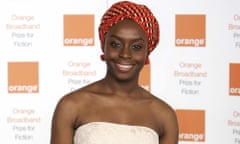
(120, 86)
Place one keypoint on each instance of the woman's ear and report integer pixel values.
(102, 57)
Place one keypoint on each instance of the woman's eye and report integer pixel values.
(137, 47)
(115, 44)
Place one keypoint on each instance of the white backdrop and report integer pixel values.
(202, 82)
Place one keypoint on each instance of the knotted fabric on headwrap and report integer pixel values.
(139, 13)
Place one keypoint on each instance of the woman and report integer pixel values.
(115, 109)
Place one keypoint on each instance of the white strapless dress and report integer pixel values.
(113, 133)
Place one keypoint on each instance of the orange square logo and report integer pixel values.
(191, 125)
(234, 79)
(23, 77)
(144, 78)
(78, 30)
(190, 31)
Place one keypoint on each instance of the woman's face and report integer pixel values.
(125, 49)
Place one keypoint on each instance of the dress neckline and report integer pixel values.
(117, 125)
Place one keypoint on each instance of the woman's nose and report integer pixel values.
(125, 52)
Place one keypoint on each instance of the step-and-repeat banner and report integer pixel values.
(49, 48)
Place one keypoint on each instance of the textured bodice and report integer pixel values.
(113, 133)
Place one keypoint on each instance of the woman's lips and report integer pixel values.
(124, 67)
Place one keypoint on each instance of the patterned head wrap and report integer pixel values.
(140, 14)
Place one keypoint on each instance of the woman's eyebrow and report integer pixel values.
(118, 37)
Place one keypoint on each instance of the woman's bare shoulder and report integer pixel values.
(78, 96)
(76, 99)
(158, 105)
(162, 110)
(164, 114)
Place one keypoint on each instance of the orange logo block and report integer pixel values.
(234, 79)
(144, 78)
(23, 77)
(191, 125)
(78, 30)
(190, 30)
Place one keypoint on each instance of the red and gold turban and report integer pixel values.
(139, 13)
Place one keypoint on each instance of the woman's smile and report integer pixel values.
(124, 67)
